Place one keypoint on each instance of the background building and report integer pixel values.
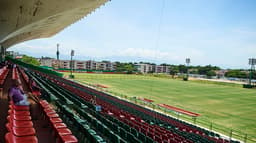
(101, 66)
(47, 61)
(162, 69)
(145, 68)
(91, 65)
(65, 64)
(79, 64)
(151, 68)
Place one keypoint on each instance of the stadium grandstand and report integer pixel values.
(63, 111)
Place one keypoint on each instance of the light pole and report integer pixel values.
(187, 62)
(252, 62)
(71, 63)
(58, 53)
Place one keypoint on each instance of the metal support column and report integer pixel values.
(2, 54)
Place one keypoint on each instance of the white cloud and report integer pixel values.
(144, 53)
(27, 48)
(161, 56)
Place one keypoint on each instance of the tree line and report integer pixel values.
(30, 60)
(240, 73)
(130, 67)
(207, 70)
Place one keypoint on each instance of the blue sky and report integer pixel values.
(216, 32)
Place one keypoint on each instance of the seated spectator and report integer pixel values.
(17, 95)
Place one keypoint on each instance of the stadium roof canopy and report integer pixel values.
(22, 20)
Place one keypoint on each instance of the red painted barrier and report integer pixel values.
(146, 100)
(179, 110)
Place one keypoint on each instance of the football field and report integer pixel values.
(226, 105)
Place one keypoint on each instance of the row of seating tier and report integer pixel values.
(29, 82)
(66, 114)
(24, 75)
(15, 76)
(63, 134)
(81, 127)
(20, 127)
(61, 131)
(3, 74)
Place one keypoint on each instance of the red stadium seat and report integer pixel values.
(68, 139)
(20, 117)
(15, 112)
(55, 120)
(22, 124)
(59, 125)
(64, 131)
(20, 108)
(23, 131)
(10, 138)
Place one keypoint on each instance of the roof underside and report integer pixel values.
(22, 20)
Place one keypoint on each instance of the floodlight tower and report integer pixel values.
(187, 62)
(72, 63)
(58, 53)
(252, 62)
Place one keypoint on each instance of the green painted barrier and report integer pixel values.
(37, 68)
